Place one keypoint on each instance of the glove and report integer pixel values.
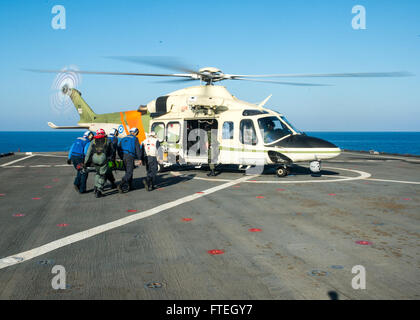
(68, 161)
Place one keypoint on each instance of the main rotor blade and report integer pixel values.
(175, 80)
(331, 75)
(115, 73)
(167, 62)
(286, 83)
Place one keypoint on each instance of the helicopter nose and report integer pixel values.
(303, 141)
(313, 142)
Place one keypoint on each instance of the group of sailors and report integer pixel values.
(100, 151)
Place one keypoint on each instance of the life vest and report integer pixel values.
(128, 145)
(79, 147)
(99, 145)
(113, 138)
(150, 146)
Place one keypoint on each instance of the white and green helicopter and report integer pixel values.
(242, 133)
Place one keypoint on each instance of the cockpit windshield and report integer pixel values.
(290, 125)
(272, 129)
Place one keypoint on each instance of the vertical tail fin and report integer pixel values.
(85, 112)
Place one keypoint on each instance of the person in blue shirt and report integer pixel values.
(76, 156)
(129, 149)
(113, 137)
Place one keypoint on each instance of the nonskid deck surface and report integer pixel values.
(226, 237)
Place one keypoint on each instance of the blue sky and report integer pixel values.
(245, 37)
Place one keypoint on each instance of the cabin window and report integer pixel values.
(251, 112)
(247, 134)
(159, 129)
(173, 130)
(227, 131)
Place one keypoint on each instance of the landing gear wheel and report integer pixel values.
(282, 172)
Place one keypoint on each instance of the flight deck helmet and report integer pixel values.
(114, 132)
(134, 131)
(88, 134)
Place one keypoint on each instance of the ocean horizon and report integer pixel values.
(396, 142)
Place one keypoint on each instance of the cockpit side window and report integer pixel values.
(272, 129)
(247, 134)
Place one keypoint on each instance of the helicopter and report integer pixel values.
(241, 133)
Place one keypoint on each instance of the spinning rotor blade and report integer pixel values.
(330, 75)
(115, 73)
(285, 83)
(175, 80)
(172, 63)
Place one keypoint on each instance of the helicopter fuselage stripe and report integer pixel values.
(123, 123)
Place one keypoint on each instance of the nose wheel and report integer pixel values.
(282, 171)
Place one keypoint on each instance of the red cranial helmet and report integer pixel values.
(100, 133)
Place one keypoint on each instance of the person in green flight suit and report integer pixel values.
(212, 149)
(99, 153)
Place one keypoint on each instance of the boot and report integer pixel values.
(146, 183)
(119, 188)
(98, 193)
(211, 173)
(149, 184)
(113, 185)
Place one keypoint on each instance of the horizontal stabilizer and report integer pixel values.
(52, 125)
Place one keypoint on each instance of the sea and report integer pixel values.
(388, 142)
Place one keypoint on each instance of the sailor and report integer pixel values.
(99, 153)
(129, 150)
(113, 137)
(212, 150)
(77, 157)
(151, 148)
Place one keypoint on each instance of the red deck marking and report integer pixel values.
(281, 189)
(18, 215)
(160, 189)
(36, 198)
(407, 199)
(2, 194)
(364, 243)
(332, 194)
(56, 180)
(200, 192)
(47, 187)
(236, 186)
(260, 197)
(62, 225)
(252, 180)
(131, 210)
(186, 219)
(254, 230)
(215, 252)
